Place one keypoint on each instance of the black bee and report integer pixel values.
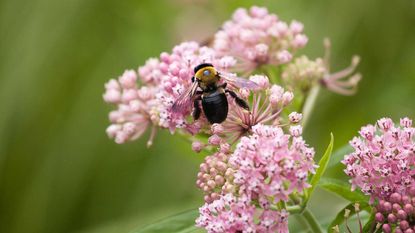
(206, 89)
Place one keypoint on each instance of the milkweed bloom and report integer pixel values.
(265, 168)
(233, 214)
(382, 162)
(271, 165)
(255, 37)
(382, 166)
(134, 104)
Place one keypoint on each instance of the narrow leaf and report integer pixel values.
(342, 189)
(335, 168)
(322, 168)
(339, 154)
(370, 224)
(181, 223)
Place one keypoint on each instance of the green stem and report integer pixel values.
(312, 221)
(295, 209)
(308, 106)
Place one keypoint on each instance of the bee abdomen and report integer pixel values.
(215, 107)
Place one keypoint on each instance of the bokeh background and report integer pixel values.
(58, 170)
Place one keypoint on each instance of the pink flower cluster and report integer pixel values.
(264, 170)
(271, 165)
(383, 159)
(237, 214)
(134, 105)
(256, 37)
(163, 80)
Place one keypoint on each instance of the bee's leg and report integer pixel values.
(196, 107)
(223, 85)
(242, 103)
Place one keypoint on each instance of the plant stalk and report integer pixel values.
(312, 221)
(309, 104)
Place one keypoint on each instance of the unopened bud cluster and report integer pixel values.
(303, 72)
(215, 176)
(397, 212)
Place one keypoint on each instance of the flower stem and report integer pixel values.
(312, 221)
(308, 106)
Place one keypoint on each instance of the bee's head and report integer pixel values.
(205, 73)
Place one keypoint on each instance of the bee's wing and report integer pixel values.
(185, 99)
(237, 82)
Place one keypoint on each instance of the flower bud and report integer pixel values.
(214, 140)
(197, 146)
(379, 217)
(244, 93)
(386, 228)
(216, 128)
(287, 97)
(261, 80)
(401, 214)
(128, 79)
(284, 57)
(404, 225)
(391, 218)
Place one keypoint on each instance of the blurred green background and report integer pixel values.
(58, 170)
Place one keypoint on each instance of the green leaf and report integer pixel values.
(181, 223)
(335, 169)
(339, 219)
(321, 169)
(342, 189)
(370, 224)
(339, 154)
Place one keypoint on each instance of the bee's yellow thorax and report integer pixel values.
(207, 75)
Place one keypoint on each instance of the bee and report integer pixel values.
(208, 90)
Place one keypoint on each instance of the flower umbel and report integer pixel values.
(255, 37)
(270, 165)
(383, 159)
(237, 214)
(133, 114)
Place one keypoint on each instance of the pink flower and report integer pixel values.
(233, 214)
(261, 80)
(383, 159)
(271, 165)
(343, 82)
(295, 117)
(133, 114)
(258, 38)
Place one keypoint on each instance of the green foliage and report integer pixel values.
(180, 223)
(342, 189)
(335, 169)
(322, 165)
